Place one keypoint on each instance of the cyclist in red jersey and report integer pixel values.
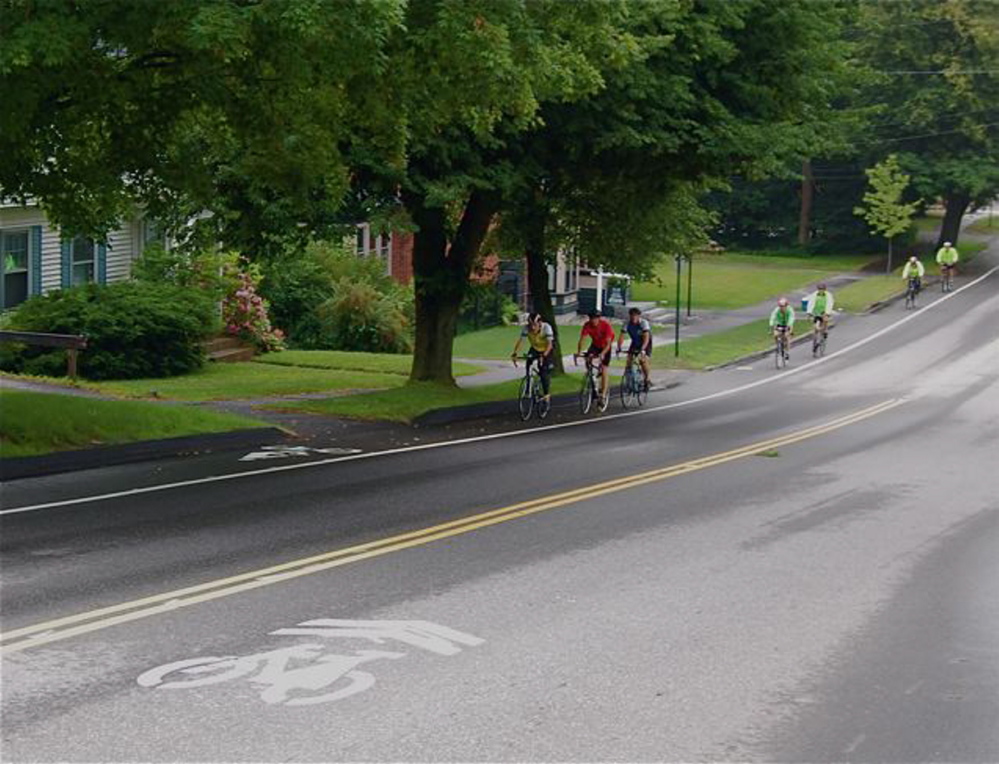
(601, 335)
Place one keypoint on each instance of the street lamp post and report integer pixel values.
(690, 280)
(676, 338)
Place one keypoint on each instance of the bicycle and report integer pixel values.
(592, 384)
(819, 336)
(946, 278)
(781, 347)
(634, 388)
(910, 293)
(532, 397)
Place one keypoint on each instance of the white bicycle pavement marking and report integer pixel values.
(292, 675)
(284, 452)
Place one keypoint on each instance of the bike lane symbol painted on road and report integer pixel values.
(285, 452)
(293, 675)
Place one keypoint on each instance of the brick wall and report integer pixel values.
(401, 266)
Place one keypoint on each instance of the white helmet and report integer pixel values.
(913, 259)
(947, 244)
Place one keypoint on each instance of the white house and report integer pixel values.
(36, 258)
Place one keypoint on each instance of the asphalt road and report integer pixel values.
(798, 567)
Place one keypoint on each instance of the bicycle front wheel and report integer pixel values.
(542, 405)
(526, 398)
(628, 388)
(587, 394)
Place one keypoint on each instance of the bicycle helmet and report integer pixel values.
(821, 287)
(534, 317)
(913, 259)
(782, 302)
(947, 244)
(594, 314)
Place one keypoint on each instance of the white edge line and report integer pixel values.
(498, 435)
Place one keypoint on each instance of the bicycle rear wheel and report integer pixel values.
(642, 394)
(526, 398)
(779, 361)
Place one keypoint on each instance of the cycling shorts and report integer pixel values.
(636, 348)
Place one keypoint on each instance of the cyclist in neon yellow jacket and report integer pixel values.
(947, 255)
(782, 320)
(914, 270)
(947, 258)
(819, 306)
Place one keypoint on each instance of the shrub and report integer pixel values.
(361, 318)
(211, 271)
(245, 313)
(133, 330)
(309, 292)
(484, 306)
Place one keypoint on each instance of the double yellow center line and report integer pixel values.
(102, 618)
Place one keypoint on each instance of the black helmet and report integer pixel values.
(594, 314)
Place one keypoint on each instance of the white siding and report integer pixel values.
(120, 253)
(121, 249)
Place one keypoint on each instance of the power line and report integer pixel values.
(941, 71)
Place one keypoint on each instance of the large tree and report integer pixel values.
(616, 176)
(939, 89)
(471, 77)
(241, 109)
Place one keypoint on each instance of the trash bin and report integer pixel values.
(804, 304)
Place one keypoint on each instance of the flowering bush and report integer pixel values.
(245, 312)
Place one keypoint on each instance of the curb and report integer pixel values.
(759, 354)
(874, 307)
(437, 417)
(128, 453)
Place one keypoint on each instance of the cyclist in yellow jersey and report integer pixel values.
(541, 337)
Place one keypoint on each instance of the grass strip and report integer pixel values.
(341, 360)
(404, 404)
(248, 380)
(41, 423)
(494, 343)
(734, 280)
(716, 348)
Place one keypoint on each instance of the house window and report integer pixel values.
(383, 245)
(552, 288)
(83, 261)
(14, 263)
(152, 234)
(361, 245)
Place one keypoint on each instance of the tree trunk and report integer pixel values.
(537, 281)
(888, 268)
(957, 205)
(440, 279)
(807, 195)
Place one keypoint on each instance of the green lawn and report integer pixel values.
(716, 348)
(221, 381)
(383, 363)
(494, 343)
(404, 404)
(860, 295)
(927, 224)
(39, 423)
(734, 280)
(984, 226)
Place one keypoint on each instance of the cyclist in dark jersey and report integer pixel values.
(639, 332)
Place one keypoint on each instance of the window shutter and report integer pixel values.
(67, 263)
(35, 259)
(102, 264)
